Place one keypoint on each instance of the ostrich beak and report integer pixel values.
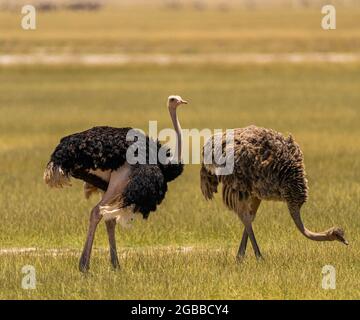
(342, 239)
(184, 102)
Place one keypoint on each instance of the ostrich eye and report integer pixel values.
(172, 99)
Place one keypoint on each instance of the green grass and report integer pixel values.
(319, 105)
(209, 274)
(148, 29)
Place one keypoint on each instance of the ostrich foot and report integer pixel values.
(84, 264)
(240, 258)
(115, 263)
(260, 258)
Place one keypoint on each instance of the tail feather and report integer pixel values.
(89, 189)
(115, 209)
(55, 177)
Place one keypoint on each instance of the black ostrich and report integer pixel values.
(98, 156)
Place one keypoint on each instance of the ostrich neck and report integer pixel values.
(317, 236)
(177, 127)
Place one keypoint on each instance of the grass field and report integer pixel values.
(319, 105)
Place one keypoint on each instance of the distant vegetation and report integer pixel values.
(188, 30)
(46, 5)
(200, 5)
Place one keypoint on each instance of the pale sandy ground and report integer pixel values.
(165, 59)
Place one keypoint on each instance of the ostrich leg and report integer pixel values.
(118, 181)
(110, 227)
(251, 234)
(247, 213)
(95, 218)
(243, 244)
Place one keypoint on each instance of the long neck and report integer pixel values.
(177, 127)
(316, 236)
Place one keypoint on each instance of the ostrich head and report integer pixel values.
(175, 101)
(337, 234)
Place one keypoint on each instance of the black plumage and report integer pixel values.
(105, 148)
(132, 169)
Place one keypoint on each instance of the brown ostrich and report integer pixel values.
(267, 166)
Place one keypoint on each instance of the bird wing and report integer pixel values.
(208, 183)
(146, 188)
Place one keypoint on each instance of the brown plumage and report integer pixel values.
(267, 166)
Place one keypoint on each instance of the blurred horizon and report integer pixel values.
(180, 27)
(178, 4)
